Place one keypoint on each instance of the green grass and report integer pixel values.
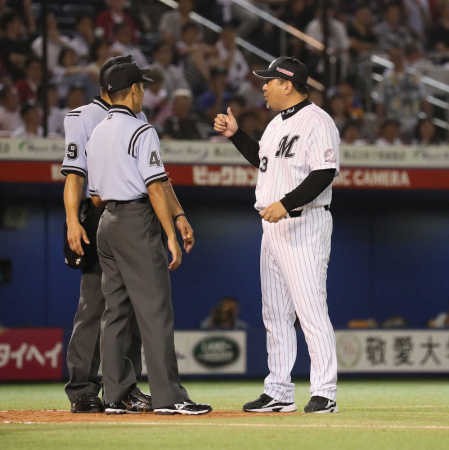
(375, 415)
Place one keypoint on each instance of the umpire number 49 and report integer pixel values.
(72, 151)
(263, 164)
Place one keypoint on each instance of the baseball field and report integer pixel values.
(380, 414)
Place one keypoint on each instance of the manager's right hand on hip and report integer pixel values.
(226, 124)
(76, 233)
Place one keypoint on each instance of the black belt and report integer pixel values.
(125, 202)
(298, 212)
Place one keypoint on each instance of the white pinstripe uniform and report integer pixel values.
(295, 251)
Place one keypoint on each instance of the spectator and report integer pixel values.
(156, 102)
(351, 134)
(123, 44)
(299, 13)
(338, 43)
(247, 22)
(182, 123)
(316, 96)
(56, 41)
(231, 58)
(224, 316)
(163, 61)
(55, 113)
(84, 37)
(114, 15)
(148, 14)
(14, 45)
(99, 53)
(25, 10)
(415, 60)
(400, 95)
(4, 7)
(361, 34)
(389, 134)
(172, 22)
(439, 33)
(417, 13)
(69, 72)
(76, 97)
(391, 32)
(238, 105)
(31, 118)
(440, 321)
(353, 103)
(337, 110)
(215, 99)
(196, 57)
(28, 86)
(250, 124)
(251, 92)
(426, 133)
(10, 118)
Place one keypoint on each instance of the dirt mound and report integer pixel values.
(57, 416)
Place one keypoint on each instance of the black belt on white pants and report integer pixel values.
(298, 212)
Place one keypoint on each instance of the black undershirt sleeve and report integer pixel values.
(309, 189)
(247, 146)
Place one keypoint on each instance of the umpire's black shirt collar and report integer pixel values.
(286, 113)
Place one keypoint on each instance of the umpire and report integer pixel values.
(125, 169)
(83, 355)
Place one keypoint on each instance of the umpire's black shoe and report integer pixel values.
(185, 408)
(265, 403)
(321, 405)
(89, 403)
(137, 395)
(129, 405)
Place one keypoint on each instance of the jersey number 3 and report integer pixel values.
(263, 164)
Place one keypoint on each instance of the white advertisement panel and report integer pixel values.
(223, 152)
(209, 352)
(393, 351)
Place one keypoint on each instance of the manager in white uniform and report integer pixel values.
(297, 157)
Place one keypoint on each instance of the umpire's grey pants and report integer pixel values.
(134, 263)
(83, 355)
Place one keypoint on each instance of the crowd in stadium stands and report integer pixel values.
(197, 72)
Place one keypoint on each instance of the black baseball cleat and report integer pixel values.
(137, 395)
(89, 403)
(185, 408)
(130, 405)
(265, 403)
(321, 405)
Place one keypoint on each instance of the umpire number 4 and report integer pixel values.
(154, 159)
(263, 164)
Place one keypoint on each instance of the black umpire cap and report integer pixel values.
(123, 76)
(285, 67)
(108, 64)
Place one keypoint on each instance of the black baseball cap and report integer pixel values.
(123, 76)
(285, 67)
(109, 63)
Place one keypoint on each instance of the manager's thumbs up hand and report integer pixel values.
(226, 124)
